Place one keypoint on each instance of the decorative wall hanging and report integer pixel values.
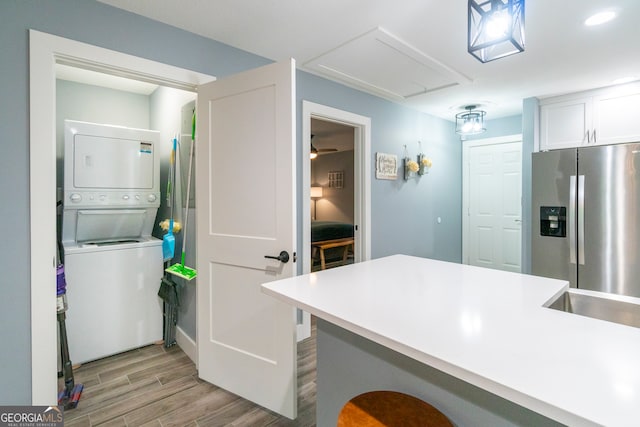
(410, 166)
(424, 163)
(419, 167)
(386, 166)
(336, 179)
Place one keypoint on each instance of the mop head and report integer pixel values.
(70, 399)
(183, 271)
(169, 291)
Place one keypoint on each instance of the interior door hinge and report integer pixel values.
(295, 257)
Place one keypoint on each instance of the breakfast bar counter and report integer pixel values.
(478, 344)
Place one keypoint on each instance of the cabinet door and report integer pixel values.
(565, 124)
(616, 117)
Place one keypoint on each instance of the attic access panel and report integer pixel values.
(381, 63)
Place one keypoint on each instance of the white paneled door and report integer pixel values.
(493, 205)
(246, 210)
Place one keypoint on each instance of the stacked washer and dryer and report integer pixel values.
(113, 265)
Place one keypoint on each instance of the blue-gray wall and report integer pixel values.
(403, 213)
(529, 135)
(503, 126)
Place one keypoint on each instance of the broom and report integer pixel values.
(179, 269)
(169, 240)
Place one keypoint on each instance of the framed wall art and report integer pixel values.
(386, 166)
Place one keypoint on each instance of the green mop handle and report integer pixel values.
(186, 208)
(172, 177)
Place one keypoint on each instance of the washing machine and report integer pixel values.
(112, 295)
(113, 266)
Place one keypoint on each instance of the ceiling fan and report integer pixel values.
(315, 151)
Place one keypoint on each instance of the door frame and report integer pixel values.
(45, 50)
(362, 185)
(362, 176)
(466, 146)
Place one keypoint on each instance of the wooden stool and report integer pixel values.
(390, 409)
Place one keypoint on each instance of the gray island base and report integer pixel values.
(349, 365)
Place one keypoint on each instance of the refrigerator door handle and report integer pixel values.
(581, 219)
(571, 228)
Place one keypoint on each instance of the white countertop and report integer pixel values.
(486, 327)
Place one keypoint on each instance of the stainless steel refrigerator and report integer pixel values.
(586, 217)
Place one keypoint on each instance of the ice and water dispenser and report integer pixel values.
(553, 221)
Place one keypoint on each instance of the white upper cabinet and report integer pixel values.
(599, 117)
(616, 117)
(565, 124)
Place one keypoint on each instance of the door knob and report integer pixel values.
(283, 257)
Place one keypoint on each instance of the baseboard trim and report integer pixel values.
(187, 344)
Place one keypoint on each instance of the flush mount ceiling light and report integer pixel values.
(495, 28)
(470, 121)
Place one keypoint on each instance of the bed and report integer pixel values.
(331, 242)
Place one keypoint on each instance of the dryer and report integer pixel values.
(113, 265)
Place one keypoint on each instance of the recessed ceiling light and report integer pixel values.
(600, 18)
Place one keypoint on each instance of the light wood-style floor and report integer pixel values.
(154, 386)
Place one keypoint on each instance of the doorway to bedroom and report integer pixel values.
(357, 129)
(332, 194)
(344, 137)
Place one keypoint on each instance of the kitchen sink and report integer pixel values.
(609, 309)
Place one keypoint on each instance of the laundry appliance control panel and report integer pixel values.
(115, 199)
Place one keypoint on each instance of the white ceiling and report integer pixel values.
(369, 44)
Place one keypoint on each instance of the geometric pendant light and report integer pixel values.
(495, 28)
